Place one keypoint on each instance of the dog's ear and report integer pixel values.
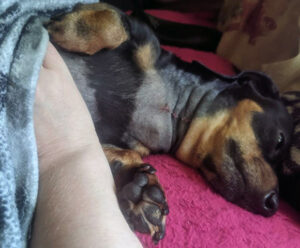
(260, 83)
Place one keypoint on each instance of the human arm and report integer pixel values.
(77, 206)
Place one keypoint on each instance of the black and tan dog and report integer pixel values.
(235, 130)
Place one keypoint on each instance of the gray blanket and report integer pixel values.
(23, 42)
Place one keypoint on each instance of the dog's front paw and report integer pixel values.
(143, 202)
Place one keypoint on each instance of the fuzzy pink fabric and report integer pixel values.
(199, 217)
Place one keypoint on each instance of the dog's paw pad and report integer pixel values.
(144, 204)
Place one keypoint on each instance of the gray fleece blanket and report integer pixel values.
(23, 42)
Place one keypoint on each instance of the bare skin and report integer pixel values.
(77, 205)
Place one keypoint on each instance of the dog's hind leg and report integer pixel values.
(88, 28)
(140, 195)
(92, 27)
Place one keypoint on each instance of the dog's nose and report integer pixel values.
(270, 203)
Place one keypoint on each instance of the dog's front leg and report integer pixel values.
(139, 193)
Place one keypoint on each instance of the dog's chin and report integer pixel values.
(230, 185)
(232, 191)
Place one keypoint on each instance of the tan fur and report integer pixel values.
(89, 29)
(144, 57)
(129, 158)
(141, 149)
(207, 136)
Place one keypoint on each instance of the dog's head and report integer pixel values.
(240, 141)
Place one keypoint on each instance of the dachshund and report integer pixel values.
(233, 129)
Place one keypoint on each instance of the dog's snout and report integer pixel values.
(270, 203)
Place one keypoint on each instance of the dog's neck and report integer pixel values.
(192, 90)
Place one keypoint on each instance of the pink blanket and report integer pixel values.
(201, 218)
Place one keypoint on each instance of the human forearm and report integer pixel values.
(93, 218)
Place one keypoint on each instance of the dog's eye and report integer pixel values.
(280, 141)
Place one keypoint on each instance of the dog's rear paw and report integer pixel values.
(143, 202)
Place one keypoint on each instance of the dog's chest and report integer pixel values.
(151, 122)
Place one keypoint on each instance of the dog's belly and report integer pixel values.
(153, 108)
(148, 121)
